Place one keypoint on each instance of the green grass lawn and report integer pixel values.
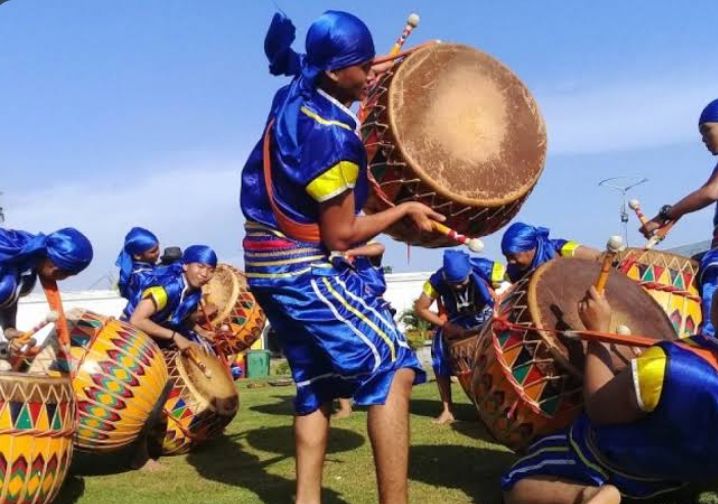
(253, 463)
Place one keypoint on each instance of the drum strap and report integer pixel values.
(297, 230)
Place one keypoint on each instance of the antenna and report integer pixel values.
(623, 185)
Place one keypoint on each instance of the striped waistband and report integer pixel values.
(270, 254)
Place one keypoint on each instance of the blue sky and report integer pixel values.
(142, 112)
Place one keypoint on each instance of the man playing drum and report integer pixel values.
(633, 439)
(170, 296)
(302, 189)
(528, 247)
(697, 200)
(136, 260)
(25, 256)
(463, 287)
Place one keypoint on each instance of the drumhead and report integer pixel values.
(557, 286)
(467, 125)
(212, 385)
(222, 291)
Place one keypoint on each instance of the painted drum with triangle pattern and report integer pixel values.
(119, 376)
(236, 308)
(527, 378)
(672, 280)
(37, 426)
(202, 402)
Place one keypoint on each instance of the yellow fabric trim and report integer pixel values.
(326, 122)
(649, 370)
(569, 249)
(158, 295)
(498, 274)
(359, 314)
(429, 290)
(334, 181)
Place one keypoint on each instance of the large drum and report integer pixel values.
(236, 308)
(671, 280)
(461, 359)
(202, 402)
(119, 378)
(528, 383)
(37, 425)
(452, 127)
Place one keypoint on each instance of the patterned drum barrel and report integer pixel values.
(119, 377)
(202, 402)
(236, 308)
(461, 360)
(453, 128)
(527, 379)
(37, 426)
(671, 280)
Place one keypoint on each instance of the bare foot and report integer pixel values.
(152, 465)
(342, 413)
(605, 494)
(445, 418)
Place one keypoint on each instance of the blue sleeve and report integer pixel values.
(558, 244)
(8, 286)
(708, 284)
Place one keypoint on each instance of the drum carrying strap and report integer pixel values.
(290, 227)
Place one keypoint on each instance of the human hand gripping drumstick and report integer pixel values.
(635, 205)
(474, 244)
(26, 338)
(613, 247)
(659, 235)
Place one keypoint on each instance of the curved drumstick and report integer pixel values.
(26, 337)
(613, 247)
(659, 235)
(474, 244)
(635, 205)
(411, 22)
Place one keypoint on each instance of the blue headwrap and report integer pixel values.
(336, 40)
(710, 113)
(457, 266)
(68, 249)
(200, 254)
(137, 241)
(520, 237)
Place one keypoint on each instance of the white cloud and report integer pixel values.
(194, 202)
(622, 115)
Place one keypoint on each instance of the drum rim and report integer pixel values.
(621, 256)
(224, 313)
(424, 176)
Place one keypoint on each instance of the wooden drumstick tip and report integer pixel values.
(634, 204)
(475, 245)
(52, 316)
(623, 330)
(615, 244)
(413, 20)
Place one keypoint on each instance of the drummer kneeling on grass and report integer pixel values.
(463, 287)
(170, 297)
(633, 440)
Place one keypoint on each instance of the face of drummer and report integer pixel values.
(709, 134)
(350, 82)
(459, 286)
(198, 274)
(149, 256)
(522, 259)
(49, 271)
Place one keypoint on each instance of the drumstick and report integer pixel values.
(659, 235)
(614, 246)
(189, 352)
(474, 244)
(411, 23)
(635, 205)
(26, 336)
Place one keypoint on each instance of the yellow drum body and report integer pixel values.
(202, 402)
(37, 425)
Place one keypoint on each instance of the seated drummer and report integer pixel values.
(528, 247)
(463, 287)
(170, 296)
(633, 440)
(136, 260)
(25, 256)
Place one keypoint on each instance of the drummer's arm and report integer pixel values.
(422, 307)
(140, 318)
(8, 321)
(608, 398)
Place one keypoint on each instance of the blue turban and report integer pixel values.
(200, 254)
(336, 40)
(137, 241)
(710, 113)
(68, 249)
(457, 266)
(520, 237)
